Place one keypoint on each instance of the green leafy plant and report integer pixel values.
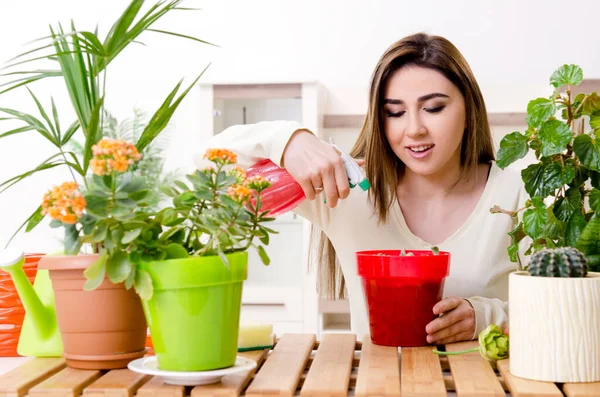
(151, 166)
(82, 59)
(216, 213)
(566, 176)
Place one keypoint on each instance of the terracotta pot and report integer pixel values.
(100, 329)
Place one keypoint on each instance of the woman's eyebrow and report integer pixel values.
(420, 99)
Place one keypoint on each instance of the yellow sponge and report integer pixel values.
(255, 336)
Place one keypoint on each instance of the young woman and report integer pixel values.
(428, 154)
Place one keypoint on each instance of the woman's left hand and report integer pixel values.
(456, 322)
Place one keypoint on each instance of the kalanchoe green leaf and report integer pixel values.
(539, 110)
(566, 75)
(512, 148)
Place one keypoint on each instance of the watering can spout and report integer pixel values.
(40, 313)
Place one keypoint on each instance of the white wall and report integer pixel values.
(513, 46)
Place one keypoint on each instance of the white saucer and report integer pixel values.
(149, 366)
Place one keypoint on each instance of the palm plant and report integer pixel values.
(82, 60)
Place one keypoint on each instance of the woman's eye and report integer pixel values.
(435, 110)
(396, 114)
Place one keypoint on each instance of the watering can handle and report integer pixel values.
(11, 256)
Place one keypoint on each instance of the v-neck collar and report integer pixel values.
(481, 206)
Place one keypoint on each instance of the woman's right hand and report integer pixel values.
(316, 166)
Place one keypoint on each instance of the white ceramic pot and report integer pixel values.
(555, 327)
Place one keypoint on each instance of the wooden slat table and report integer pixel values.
(299, 365)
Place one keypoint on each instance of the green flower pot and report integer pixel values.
(194, 312)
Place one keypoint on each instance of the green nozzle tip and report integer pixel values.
(364, 184)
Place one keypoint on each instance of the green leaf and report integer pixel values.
(181, 185)
(534, 219)
(97, 205)
(566, 75)
(34, 219)
(161, 118)
(126, 202)
(555, 136)
(567, 206)
(131, 278)
(263, 255)
(590, 236)
(134, 184)
(118, 267)
(512, 148)
(595, 199)
(143, 284)
(595, 119)
(175, 251)
(16, 131)
(541, 180)
(100, 233)
(588, 151)
(539, 110)
(591, 104)
(223, 258)
(130, 236)
(92, 132)
(182, 36)
(72, 240)
(139, 195)
(555, 228)
(95, 273)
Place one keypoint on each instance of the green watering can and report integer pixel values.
(40, 336)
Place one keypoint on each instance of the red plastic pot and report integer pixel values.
(400, 292)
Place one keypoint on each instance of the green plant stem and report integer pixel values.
(581, 104)
(455, 353)
(70, 169)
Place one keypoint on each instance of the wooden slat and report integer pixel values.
(421, 373)
(379, 370)
(17, 382)
(329, 374)
(67, 383)
(520, 387)
(156, 387)
(231, 386)
(473, 375)
(582, 389)
(116, 383)
(281, 371)
(257, 91)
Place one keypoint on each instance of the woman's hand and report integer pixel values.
(316, 166)
(456, 321)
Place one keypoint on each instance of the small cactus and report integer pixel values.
(558, 262)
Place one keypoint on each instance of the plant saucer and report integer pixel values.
(149, 366)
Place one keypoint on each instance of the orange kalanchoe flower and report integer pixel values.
(64, 203)
(239, 173)
(258, 183)
(113, 155)
(239, 193)
(222, 156)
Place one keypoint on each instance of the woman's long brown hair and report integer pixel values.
(382, 166)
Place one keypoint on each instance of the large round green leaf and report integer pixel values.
(512, 147)
(534, 219)
(588, 151)
(575, 226)
(539, 110)
(566, 75)
(542, 179)
(568, 205)
(555, 136)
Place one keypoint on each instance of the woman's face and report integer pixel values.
(424, 119)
